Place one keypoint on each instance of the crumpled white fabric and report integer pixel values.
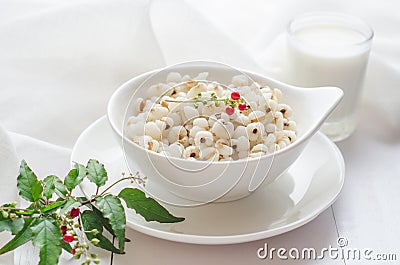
(61, 60)
(8, 188)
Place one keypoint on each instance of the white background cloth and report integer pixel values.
(61, 60)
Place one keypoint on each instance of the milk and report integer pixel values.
(330, 55)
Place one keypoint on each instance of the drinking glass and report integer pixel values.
(329, 49)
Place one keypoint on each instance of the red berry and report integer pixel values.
(75, 212)
(63, 229)
(73, 251)
(68, 238)
(242, 106)
(235, 95)
(229, 110)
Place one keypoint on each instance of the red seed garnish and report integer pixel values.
(242, 106)
(63, 229)
(73, 251)
(68, 238)
(229, 110)
(75, 212)
(235, 95)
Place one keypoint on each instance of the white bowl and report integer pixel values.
(204, 181)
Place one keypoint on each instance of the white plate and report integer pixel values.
(310, 186)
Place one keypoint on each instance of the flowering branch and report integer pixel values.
(57, 220)
(234, 101)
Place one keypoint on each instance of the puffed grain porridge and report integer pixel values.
(199, 120)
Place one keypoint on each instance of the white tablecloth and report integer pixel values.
(61, 60)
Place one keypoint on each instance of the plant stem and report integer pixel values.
(193, 100)
(18, 209)
(88, 201)
(112, 253)
(115, 183)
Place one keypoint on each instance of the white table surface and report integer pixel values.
(58, 71)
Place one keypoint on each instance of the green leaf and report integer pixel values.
(47, 236)
(104, 222)
(23, 236)
(53, 206)
(71, 203)
(149, 208)
(66, 246)
(28, 185)
(90, 221)
(96, 172)
(14, 226)
(75, 176)
(113, 210)
(53, 184)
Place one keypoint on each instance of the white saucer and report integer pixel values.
(309, 187)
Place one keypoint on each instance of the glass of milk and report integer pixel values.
(329, 49)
